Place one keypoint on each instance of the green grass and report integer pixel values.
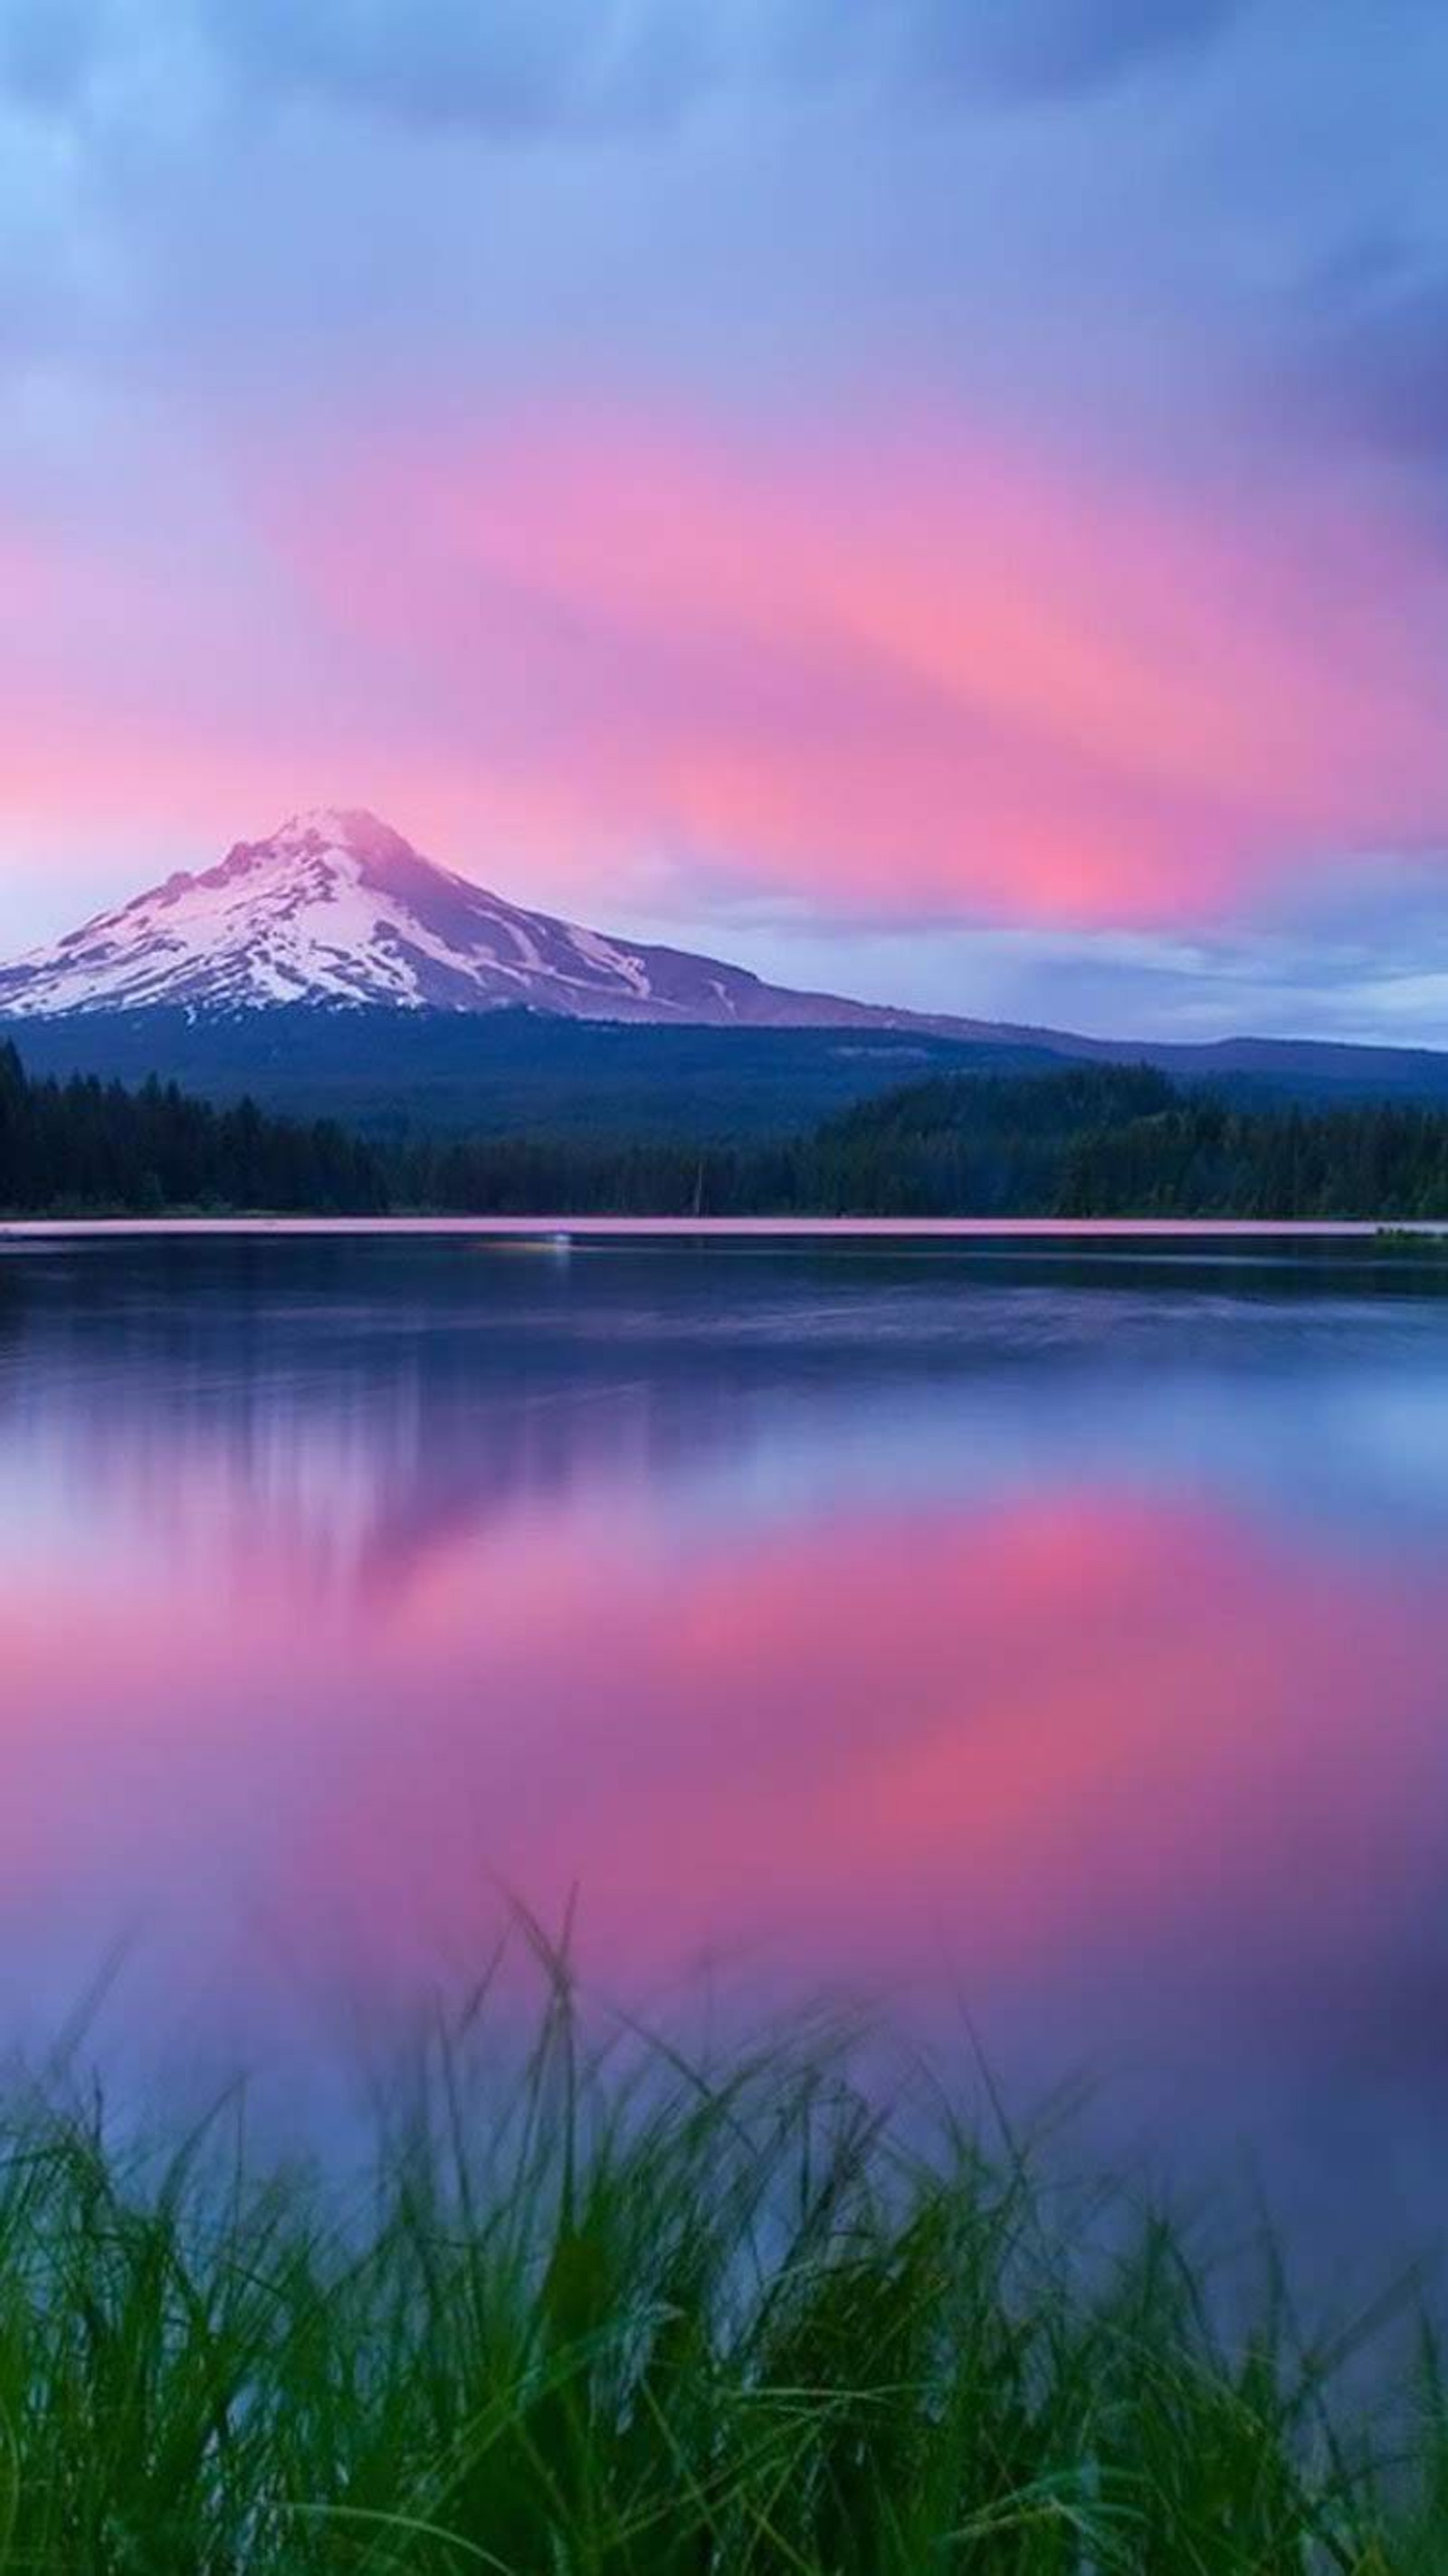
(623, 2310)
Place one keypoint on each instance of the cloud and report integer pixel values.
(917, 657)
(1378, 365)
(1056, 48)
(510, 66)
(527, 63)
(517, 67)
(1387, 983)
(44, 47)
(907, 665)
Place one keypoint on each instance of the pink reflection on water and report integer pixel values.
(1080, 1750)
(1015, 1739)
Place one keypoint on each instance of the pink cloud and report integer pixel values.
(920, 667)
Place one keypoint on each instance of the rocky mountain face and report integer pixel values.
(338, 909)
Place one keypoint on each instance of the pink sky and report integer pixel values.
(880, 669)
(942, 512)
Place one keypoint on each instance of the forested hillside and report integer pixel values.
(85, 1144)
(1088, 1141)
(1124, 1141)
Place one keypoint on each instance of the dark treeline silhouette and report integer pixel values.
(85, 1144)
(1092, 1140)
(1122, 1140)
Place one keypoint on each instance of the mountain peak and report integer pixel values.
(335, 908)
(347, 831)
(353, 828)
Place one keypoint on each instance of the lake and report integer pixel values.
(1047, 1640)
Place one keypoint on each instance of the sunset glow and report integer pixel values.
(962, 516)
(723, 1252)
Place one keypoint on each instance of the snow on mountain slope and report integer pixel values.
(337, 909)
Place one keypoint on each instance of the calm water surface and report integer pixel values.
(1052, 1633)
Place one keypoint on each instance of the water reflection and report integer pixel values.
(1068, 1637)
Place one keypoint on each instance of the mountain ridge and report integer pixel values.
(332, 952)
(336, 908)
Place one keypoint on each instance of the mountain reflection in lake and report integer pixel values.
(1060, 1633)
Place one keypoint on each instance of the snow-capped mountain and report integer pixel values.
(338, 909)
(336, 942)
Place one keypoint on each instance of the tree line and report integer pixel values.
(84, 1145)
(1091, 1140)
(1123, 1140)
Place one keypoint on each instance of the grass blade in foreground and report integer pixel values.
(620, 2312)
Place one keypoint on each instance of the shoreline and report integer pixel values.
(556, 1230)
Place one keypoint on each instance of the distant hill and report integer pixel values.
(506, 1072)
(1094, 1140)
(1086, 1140)
(390, 1074)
